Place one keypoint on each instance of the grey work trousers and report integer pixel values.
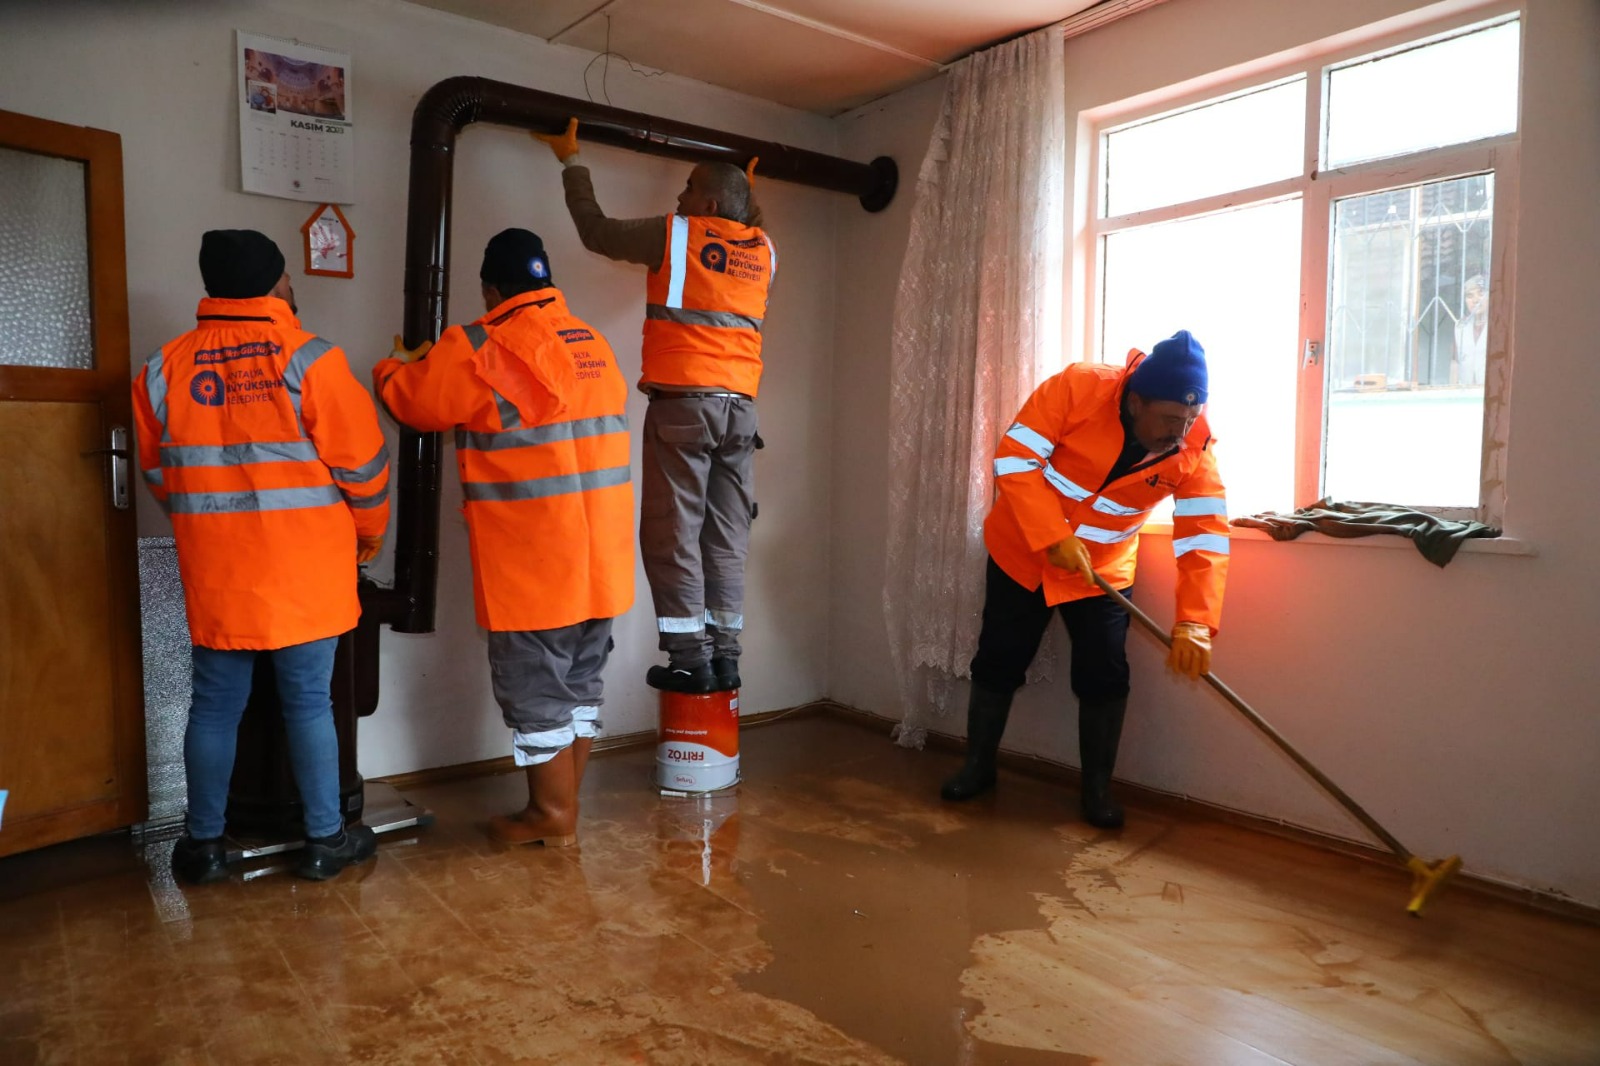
(548, 685)
(694, 525)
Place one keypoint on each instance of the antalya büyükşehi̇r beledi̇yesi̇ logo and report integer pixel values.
(206, 388)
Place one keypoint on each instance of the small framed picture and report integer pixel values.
(330, 243)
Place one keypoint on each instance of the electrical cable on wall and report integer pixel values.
(605, 71)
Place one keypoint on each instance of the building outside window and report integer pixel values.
(1335, 233)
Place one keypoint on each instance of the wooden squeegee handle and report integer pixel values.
(1266, 727)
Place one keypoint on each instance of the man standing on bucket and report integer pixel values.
(710, 268)
(1093, 450)
(538, 406)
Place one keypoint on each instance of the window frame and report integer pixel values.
(1317, 191)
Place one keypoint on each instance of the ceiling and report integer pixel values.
(824, 56)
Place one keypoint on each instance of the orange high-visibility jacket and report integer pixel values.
(1050, 475)
(539, 409)
(705, 305)
(266, 452)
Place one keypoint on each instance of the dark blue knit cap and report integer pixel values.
(1174, 370)
(514, 261)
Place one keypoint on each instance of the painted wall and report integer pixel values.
(1458, 705)
(161, 74)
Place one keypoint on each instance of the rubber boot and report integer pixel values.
(580, 759)
(551, 816)
(986, 723)
(1099, 730)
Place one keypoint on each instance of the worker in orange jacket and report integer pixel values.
(539, 410)
(1091, 452)
(710, 267)
(266, 453)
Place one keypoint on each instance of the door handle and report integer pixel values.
(119, 465)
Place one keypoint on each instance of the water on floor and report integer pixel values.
(831, 910)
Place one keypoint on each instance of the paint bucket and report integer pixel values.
(697, 746)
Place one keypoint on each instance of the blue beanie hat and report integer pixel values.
(1174, 370)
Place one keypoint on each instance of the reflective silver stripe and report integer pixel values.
(252, 500)
(772, 250)
(155, 385)
(1105, 506)
(367, 470)
(154, 476)
(476, 335)
(1104, 536)
(294, 375)
(1067, 487)
(527, 438)
(719, 319)
(1199, 505)
(680, 625)
(1032, 440)
(1014, 465)
(285, 451)
(531, 749)
(1204, 542)
(540, 487)
(509, 417)
(362, 503)
(724, 619)
(586, 721)
(675, 260)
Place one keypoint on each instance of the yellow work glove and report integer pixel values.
(753, 215)
(367, 548)
(1191, 649)
(1070, 554)
(409, 355)
(564, 145)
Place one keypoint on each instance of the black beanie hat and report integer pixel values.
(514, 261)
(239, 264)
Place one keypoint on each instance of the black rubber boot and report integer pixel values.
(200, 862)
(325, 857)
(1099, 730)
(986, 723)
(696, 680)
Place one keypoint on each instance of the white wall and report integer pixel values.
(161, 75)
(1458, 705)
(872, 246)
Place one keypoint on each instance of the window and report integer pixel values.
(1333, 234)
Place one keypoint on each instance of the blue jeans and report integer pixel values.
(221, 690)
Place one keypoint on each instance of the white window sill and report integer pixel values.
(1477, 545)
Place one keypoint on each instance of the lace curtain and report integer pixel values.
(977, 324)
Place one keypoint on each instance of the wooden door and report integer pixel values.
(71, 698)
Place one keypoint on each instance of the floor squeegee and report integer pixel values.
(1426, 877)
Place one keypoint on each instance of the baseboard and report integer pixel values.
(1043, 769)
(505, 764)
(1060, 773)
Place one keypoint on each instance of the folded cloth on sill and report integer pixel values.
(1436, 538)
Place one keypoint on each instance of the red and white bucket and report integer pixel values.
(697, 746)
